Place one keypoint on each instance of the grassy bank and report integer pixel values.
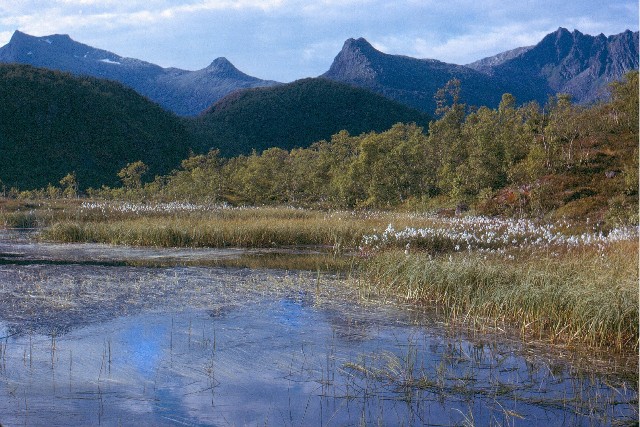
(584, 295)
(558, 281)
(210, 232)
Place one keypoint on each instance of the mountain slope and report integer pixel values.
(296, 115)
(569, 62)
(52, 123)
(183, 92)
(485, 65)
(409, 80)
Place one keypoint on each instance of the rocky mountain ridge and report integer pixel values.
(562, 62)
(183, 92)
(408, 80)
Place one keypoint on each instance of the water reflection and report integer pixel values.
(115, 345)
(281, 362)
(142, 346)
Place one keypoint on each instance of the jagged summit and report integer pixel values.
(411, 81)
(578, 64)
(562, 62)
(359, 44)
(221, 63)
(353, 62)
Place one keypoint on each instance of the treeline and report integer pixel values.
(570, 160)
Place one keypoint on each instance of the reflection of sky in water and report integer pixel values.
(143, 345)
(279, 362)
(291, 312)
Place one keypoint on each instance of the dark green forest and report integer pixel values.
(52, 124)
(321, 144)
(296, 115)
(567, 160)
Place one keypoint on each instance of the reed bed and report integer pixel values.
(212, 232)
(585, 295)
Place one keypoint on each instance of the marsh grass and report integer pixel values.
(558, 282)
(19, 220)
(315, 262)
(212, 232)
(579, 296)
(459, 376)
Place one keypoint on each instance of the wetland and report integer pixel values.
(96, 334)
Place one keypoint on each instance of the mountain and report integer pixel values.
(410, 81)
(485, 65)
(563, 62)
(53, 123)
(184, 92)
(296, 115)
(569, 62)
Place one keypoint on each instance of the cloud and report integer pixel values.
(5, 36)
(66, 15)
(467, 48)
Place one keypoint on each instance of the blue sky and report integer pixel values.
(289, 39)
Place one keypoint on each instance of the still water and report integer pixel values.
(90, 344)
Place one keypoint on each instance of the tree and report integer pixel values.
(199, 179)
(131, 175)
(69, 185)
(485, 166)
(624, 102)
(562, 131)
(447, 148)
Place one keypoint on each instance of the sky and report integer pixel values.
(285, 40)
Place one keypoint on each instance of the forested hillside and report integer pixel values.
(311, 143)
(52, 124)
(296, 115)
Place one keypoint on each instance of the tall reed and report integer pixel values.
(584, 295)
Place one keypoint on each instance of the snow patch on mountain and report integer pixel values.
(109, 61)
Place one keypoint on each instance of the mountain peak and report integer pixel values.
(359, 45)
(222, 67)
(353, 62)
(220, 62)
(18, 36)
(183, 92)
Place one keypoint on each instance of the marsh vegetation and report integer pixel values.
(105, 344)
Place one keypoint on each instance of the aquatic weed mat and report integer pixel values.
(55, 298)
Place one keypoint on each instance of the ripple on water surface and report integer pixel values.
(93, 344)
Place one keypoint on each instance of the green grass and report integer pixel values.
(237, 232)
